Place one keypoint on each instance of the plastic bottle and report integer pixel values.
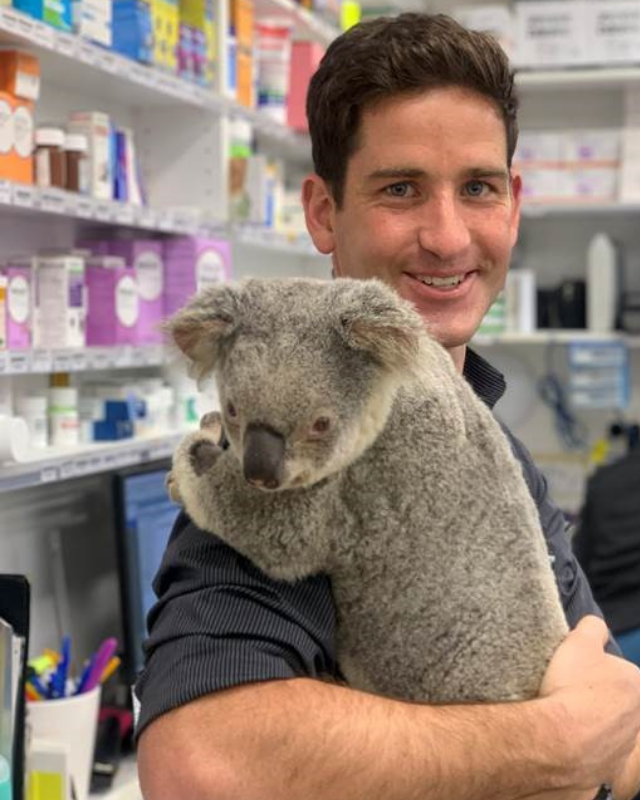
(34, 412)
(603, 284)
(64, 420)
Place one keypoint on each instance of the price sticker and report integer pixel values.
(87, 53)
(41, 361)
(124, 213)
(6, 192)
(99, 359)
(42, 35)
(53, 201)
(78, 361)
(26, 196)
(67, 45)
(85, 208)
(3, 363)
(70, 469)
(19, 363)
(48, 475)
(61, 362)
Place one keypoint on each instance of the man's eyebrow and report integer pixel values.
(408, 173)
(396, 173)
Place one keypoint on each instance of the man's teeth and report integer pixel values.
(454, 280)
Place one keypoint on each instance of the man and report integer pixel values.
(413, 125)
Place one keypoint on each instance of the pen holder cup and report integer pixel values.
(71, 721)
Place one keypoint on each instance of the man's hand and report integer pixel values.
(600, 702)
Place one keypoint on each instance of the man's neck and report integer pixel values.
(458, 355)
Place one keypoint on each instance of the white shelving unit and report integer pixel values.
(545, 337)
(591, 78)
(38, 362)
(65, 463)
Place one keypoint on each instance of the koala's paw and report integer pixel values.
(203, 454)
(212, 423)
(171, 485)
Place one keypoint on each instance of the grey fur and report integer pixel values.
(412, 502)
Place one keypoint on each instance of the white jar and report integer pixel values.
(34, 412)
(64, 422)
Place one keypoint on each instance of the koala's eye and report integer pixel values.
(321, 425)
(231, 410)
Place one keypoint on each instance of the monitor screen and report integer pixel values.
(145, 517)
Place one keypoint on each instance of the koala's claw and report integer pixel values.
(212, 423)
(203, 455)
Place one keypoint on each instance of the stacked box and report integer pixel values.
(54, 12)
(166, 24)
(242, 24)
(96, 126)
(197, 48)
(19, 303)
(92, 19)
(59, 311)
(133, 30)
(19, 89)
(192, 264)
(112, 302)
(305, 58)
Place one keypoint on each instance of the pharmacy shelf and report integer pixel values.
(544, 337)
(35, 362)
(585, 208)
(109, 75)
(577, 78)
(65, 463)
(23, 199)
(125, 784)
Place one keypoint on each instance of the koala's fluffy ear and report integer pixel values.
(200, 328)
(373, 318)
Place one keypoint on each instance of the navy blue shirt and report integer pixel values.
(220, 622)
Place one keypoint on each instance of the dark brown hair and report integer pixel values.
(391, 56)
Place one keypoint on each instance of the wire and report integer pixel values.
(572, 432)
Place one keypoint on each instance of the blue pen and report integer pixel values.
(38, 686)
(60, 677)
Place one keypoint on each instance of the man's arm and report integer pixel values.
(301, 738)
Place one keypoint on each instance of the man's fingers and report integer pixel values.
(594, 628)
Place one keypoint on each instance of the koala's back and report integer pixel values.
(443, 585)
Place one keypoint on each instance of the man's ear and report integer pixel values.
(516, 204)
(201, 327)
(373, 318)
(319, 210)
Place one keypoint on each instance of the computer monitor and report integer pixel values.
(144, 519)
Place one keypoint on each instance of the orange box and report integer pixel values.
(20, 74)
(16, 139)
(244, 70)
(242, 19)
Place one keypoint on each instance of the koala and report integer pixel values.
(356, 449)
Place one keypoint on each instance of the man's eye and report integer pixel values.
(477, 188)
(400, 190)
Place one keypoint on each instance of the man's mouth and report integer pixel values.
(444, 283)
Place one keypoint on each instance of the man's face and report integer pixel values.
(428, 199)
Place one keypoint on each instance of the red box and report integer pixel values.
(305, 58)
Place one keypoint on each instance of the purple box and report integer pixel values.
(145, 257)
(112, 302)
(192, 264)
(19, 306)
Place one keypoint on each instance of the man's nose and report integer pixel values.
(444, 231)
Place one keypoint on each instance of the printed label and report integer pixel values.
(127, 302)
(6, 127)
(23, 132)
(209, 270)
(18, 299)
(27, 85)
(149, 271)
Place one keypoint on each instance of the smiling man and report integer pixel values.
(413, 127)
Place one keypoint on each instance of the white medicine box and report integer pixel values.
(613, 31)
(493, 18)
(550, 33)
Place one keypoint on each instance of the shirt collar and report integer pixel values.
(485, 380)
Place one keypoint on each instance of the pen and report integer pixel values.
(111, 667)
(58, 683)
(100, 661)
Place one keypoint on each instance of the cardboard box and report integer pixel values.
(20, 74)
(613, 31)
(16, 139)
(591, 146)
(96, 127)
(165, 17)
(550, 33)
(192, 264)
(59, 309)
(19, 303)
(305, 59)
(112, 302)
(245, 78)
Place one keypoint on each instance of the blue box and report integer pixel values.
(132, 30)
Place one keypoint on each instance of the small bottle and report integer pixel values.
(64, 421)
(34, 412)
(77, 163)
(50, 160)
(603, 284)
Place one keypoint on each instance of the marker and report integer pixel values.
(111, 667)
(100, 661)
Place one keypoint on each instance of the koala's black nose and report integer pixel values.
(263, 456)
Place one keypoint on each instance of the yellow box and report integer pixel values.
(16, 139)
(166, 25)
(242, 18)
(20, 74)
(246, 87)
